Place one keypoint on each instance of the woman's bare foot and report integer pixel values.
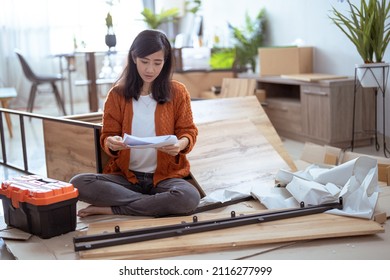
(94, 210)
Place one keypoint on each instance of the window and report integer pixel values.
(56, 25)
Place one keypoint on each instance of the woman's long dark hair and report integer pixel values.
(146, 43)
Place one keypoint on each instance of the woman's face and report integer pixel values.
(149, 67)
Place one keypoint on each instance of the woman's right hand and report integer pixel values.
(115, 143)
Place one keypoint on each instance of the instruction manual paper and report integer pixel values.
(149, 142)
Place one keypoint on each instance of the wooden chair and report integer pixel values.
(6, 94)
(39, 80)
(235, 87)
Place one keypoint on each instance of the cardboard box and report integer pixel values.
(328, 156)
(40, 206)
(332, 156)
(320, 155)
(277, 61)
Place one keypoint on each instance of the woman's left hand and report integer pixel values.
(174, 150)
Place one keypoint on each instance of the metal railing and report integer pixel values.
(22, 117)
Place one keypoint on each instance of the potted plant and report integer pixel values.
(247, 41)
(110, 36)
(368, 28)
(193, 6)
(154, 20)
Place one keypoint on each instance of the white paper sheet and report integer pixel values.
(225, 195)
(356, 181)
(149, 142)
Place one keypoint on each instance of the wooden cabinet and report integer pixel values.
(316, 112)
(319, 112)
(285, 115)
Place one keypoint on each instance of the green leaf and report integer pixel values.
(366, 27)
(154, 20)
(248, 39)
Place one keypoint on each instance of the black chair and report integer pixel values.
(39, 80)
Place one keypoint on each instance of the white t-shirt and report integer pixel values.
(143, 160)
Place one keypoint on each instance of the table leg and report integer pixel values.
(92, 87)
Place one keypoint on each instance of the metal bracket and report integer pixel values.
(89, 242)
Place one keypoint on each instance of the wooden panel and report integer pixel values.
(233, 154)
(213, 110)
(328, 114)
(69, 149)
(312, 77)
(317, 112)
(311, 227)
(234, 87)
(285, 114)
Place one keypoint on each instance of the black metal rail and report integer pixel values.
(89, 242)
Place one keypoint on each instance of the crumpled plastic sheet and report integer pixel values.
(356, 181)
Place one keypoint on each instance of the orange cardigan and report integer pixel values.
(173, 117)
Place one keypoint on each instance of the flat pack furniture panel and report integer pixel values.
(248, 107)
(234, 87)
(70, 149)
(233, 154)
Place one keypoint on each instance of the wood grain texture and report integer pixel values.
(69, 150)
(234, 87)
(313, 77)
(233, 154)
(325, 110)
(236, 108)
(317, 226)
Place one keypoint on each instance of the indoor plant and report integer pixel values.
(368, 28)
(154, 20)
(110, 36)
(247, 41)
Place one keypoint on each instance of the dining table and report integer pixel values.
(92, 80)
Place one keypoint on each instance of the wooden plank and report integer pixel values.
(310, 227)
(69, 150)
(206, 111)
(384, 173)
(234, 87)
(313, 77)
(233, 154)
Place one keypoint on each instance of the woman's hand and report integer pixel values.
(115, 143)
(174, 150)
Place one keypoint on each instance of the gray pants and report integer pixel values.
(170, 197)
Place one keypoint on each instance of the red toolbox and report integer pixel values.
(38, 205)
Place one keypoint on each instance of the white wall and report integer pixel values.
(298, 19)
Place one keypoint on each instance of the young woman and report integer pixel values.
(144, 102)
